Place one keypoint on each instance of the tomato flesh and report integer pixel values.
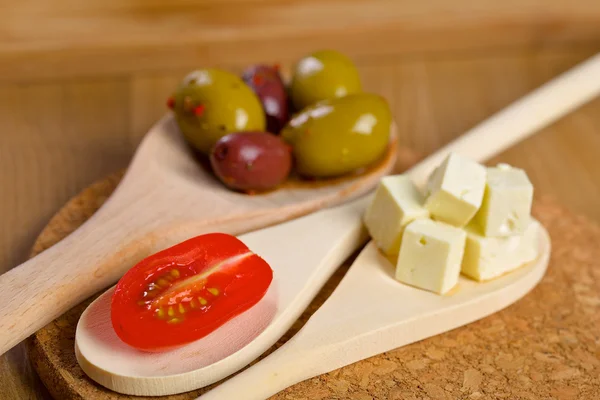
(185, 292)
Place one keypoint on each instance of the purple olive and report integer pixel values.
(268, 86)
(251, 161)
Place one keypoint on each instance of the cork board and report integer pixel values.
(546, 346)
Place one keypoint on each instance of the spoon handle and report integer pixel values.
(294, 362)
(93, 257)
(521, 119)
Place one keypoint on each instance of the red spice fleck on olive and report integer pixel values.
(199, 110)
(171, 102)
(258, 80)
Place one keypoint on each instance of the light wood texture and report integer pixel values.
(165, 198)
(114, 365)
(521, 119)
(66, 38)
(350, 328)
(82, 130)
(542, 346)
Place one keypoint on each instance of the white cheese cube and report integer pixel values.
(489, 257)
(506, 206)
(455, 190)
(430, 255)
(396, 203)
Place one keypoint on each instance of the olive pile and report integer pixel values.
(253, 128)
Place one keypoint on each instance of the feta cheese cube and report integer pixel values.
(455, 190)
(506, 206)
(430, 255)
(489, 257)
(396, 203)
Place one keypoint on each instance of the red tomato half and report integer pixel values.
(183, 293)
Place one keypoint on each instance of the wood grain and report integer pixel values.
(58, 137)
(70, 38)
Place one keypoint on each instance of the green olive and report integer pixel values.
(337, 136)
(325, 74)
(210, 103)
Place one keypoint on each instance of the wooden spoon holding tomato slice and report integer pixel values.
(303, 254)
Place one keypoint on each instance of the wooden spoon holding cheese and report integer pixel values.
(348, 328)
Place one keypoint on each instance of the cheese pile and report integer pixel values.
(471, 219)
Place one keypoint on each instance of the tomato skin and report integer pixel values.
(185, 292)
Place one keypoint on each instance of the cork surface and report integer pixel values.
(546, 346)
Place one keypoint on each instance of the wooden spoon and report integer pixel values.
(164, 198)
(302, 254)
(371, 313)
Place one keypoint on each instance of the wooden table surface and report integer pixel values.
(67, 38)
(56, 137)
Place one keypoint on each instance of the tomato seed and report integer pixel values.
(162, 282)
(171, 312)
(181, 308)
(213, 291)
(175, 273)
(202, 300)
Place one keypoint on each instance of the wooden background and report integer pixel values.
(81, 82)
(46, 39)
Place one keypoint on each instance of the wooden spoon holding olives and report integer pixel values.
(166, 196)
(163, 199)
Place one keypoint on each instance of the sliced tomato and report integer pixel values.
(185, 292)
